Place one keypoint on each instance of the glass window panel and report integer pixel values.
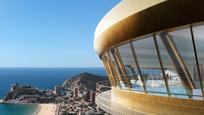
(113, 69)
(118, 71)
(175, 86)
(108, 69)
(198, 32)
(184, 44)
(150, 66)
(130, 66)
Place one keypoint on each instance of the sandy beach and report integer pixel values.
(46, 109)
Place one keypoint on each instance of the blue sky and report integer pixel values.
(50, 33)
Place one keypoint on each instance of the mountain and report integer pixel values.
(83, 81)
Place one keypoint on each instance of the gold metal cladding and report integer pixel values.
(163, 16)
(122, 10)
(156, 105)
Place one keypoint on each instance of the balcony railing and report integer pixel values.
(103, 100)
(102, 86)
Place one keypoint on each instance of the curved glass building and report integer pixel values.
(153, 51)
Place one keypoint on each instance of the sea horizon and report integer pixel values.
(38, 76)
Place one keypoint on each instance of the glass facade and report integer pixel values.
(166, 64)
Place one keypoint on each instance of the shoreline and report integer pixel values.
(46, 109)
(42, 109)
(18, 109)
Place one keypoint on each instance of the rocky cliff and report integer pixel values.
(18, 90)
(83, 81)
(29, 94)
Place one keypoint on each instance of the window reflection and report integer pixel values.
(121, 80)
(130, 66)
(183, 41)
(174, 81)
(198, 33)
(150, 66)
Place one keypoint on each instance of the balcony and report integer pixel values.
(105, 102)
(118, 101)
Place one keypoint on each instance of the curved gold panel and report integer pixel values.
(166, 15)
(156, 105)
(122, 10)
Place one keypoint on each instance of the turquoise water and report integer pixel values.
(17, 109)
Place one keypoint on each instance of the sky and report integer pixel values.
(50, 33)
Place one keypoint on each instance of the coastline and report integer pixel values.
(46, 109)
(42, 109)
(17, 109)
(42, 101)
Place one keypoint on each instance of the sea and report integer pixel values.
(43, 78)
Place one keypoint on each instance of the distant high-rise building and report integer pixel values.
(76, 92)
(88, 95)
(141, 42)
(92, 96)
(57, 90)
